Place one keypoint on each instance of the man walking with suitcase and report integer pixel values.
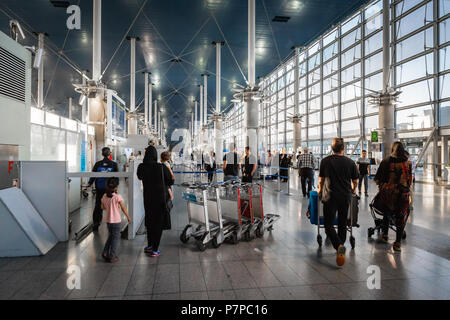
(342, 179)
(104, 165)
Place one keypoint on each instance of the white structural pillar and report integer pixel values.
(200, 111)
(70, 107)
(386, 109)
(205, 99)
(251, 43)
(195, 121)
(218, 121)
(251, 105)
(159, 124)
(146, 100)
(40, 86)
(132, 123)
(155, 117)
(297, 118)
(444, 157)
(84, 105)
(191, 126)
(150, 99)
(97, 41)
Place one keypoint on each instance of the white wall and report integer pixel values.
(14, 114)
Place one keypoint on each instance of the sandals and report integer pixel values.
(397, 247)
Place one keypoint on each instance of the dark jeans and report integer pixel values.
(113, 240)
(306, 176)
(366, 183)
(398, 227)
(98, 212)
(248, 179)
(210, 177)
(340, 204)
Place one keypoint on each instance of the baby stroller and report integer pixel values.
(378, 210)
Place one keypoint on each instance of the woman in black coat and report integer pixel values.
(156, 179)
(284, 166)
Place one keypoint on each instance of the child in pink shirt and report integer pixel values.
(112, 202)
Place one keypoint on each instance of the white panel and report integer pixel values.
(44, 183)
(28, 219)
(138, 203)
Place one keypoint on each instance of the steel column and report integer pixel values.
(97, 41)
(40, 86)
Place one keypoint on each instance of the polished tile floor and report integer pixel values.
(285, 264)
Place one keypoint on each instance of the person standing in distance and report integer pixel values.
(105, 165)
(363, 164)
(343, 180)
(306, 171)
(249, 166)
(231, 164)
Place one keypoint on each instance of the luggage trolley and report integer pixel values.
(315, 215)
(377, 209)
(205, 217)
(262, 221)
(236, 206)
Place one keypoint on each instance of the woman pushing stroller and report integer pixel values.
(394, 178)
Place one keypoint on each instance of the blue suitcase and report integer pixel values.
(315, 206)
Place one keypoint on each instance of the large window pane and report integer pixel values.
(406, 5)
(414, 69)
(373, 24)
(351, 73)
(314, 91)
(416, 93)
(414, 45)
(314, 133)
(374, 82)
(313, 49)
(351, 55)
(444, 7)
(314, 118)
(330, 83)
(350, 39)
(374, 43)
(330, 51)
(351, 110)
(330, 115)
(373, 9)
(330, 130)
(314, 61)
(444, 31)
(350, 92)
(330, 37)
(351, 23)
(314, 104)
(350, 128)
(415, 118)
(414, 20)
(371, 123)
(330, 98)
(445, 113)
(374, 63)
(444, 83)
(330, 67)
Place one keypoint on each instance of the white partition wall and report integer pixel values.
(136, 203)
(45, 184)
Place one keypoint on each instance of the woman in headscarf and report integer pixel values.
(394, 179)
(156, 179)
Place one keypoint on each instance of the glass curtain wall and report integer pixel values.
(339, 70)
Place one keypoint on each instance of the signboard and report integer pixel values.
(374, 136)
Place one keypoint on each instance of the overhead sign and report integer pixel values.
(374, 136)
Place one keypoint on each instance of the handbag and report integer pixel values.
(168, 205)
(325, 192)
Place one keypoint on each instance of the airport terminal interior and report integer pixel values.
(240, 101)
